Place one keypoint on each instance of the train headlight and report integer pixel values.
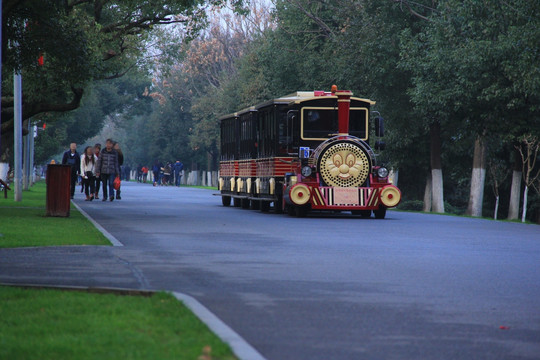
(382, 172)
(306, 171)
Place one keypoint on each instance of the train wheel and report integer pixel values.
(278, 206)
(301, 211)
(245, 203)
(255, 204)
(237, 202)
(265, 206)
(291, 210)
(226, 200)
(380, 213)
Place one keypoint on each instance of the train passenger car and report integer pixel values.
(305, 151)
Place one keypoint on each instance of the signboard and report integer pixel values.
(346, 196)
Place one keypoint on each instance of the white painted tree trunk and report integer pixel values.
(437, 196)
(478, 179)
(524, 213)
(476, 198)
(427, 195)
(394, 176)
(437, 191)
(496, 207)
(4, 168)
(515, 195)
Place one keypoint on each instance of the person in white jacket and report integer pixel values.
(88, 165)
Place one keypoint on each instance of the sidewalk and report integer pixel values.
(100, 267)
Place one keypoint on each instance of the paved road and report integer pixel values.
(412, 286)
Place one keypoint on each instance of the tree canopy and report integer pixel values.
(81, 41)
(458, 69)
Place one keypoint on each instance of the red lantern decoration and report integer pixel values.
(40, 60)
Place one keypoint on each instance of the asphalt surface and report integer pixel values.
(412, 286)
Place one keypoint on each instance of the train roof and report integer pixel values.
(301, 96)
(296, 98)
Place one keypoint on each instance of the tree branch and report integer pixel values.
(316, 19)
(119, 75)
(29, 110)
(414, 13)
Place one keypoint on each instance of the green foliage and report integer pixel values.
(103, 99)
(82, 42)
(414, 205)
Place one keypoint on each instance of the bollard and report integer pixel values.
(58, 190)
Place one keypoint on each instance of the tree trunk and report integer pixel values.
(4, 169)
(427, 195)
(478, 178)
(524, 213)
(394, 176)
(436, 169)
(515, 191)
(496, 207)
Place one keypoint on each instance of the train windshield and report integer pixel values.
(322, 123)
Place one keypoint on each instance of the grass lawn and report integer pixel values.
(24, 223)
(55, 324)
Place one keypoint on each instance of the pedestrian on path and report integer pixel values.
(156, 170)
(97, 150)
(144, 173)
(72, 158)
(107, 167)
(167, 170)
(88, 165)
(178, 167)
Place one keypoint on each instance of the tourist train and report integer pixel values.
(307, 151)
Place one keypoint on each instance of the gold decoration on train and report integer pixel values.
(344, 165)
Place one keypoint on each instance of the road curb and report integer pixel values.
(114, 241)
(241, 348)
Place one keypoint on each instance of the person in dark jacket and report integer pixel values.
(97, 151)
(72, 158)
(178, 167)
(156, 170)
(107, 167)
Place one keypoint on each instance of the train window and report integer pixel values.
(322, 123)
(318, 123)
(358, 122)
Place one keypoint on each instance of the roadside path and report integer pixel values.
(412, 286)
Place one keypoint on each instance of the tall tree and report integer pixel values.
(80, 41)
(461, 63)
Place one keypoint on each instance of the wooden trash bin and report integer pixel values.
(58, 190)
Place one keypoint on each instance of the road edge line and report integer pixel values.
(239, 346)
(114, 241)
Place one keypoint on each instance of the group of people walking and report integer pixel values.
(96, 167)
(168, 174)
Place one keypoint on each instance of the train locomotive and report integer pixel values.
(307, 151)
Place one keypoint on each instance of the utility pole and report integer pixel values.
(1, 81)
(17, 164)
(26, 160)
(31, 161)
